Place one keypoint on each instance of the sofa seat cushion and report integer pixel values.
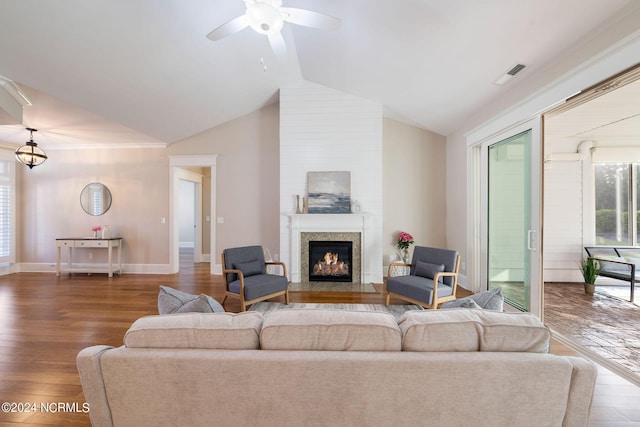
(331, 330)
(259, 285)
(220, 331)
(174, 301)
(473, 330)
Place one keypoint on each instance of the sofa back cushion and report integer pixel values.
(473, 330)
(221, 331)
(331, 330)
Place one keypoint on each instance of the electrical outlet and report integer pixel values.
(276, 257)
(90, 256)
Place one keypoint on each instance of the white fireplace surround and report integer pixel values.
(333, 223)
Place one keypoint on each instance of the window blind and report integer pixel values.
(6, 212)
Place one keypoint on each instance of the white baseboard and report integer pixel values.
(126, 268)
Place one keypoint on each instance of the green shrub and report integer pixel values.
(606, 221)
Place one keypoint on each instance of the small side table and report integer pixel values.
(90, 243)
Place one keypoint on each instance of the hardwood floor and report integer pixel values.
(46, 320)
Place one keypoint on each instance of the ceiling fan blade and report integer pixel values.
(308, 18)
(228, 28)
(278, 45)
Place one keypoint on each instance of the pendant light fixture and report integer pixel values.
(30, 154)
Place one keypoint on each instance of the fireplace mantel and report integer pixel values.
(331, 223)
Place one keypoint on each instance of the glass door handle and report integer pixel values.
(531, 240)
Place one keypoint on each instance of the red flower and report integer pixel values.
(404, 240)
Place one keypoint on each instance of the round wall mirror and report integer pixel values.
(95, 199)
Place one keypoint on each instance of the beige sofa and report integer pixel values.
(459, 367)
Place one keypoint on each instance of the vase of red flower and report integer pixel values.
(404, 241)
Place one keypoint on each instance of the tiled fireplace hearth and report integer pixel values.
(353, 269)
(330, 228)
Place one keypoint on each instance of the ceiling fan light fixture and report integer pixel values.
(264, 18)
(30, 154)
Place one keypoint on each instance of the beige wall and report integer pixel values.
(247, 192)
(48, 203)
(413, 186)
(246, 180)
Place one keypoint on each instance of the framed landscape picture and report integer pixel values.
(329, 192)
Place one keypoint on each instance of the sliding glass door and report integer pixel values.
(512, 240)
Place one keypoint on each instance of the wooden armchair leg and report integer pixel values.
(286, 297)
(386, 301)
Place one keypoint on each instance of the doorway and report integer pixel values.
(190, 230)
(179, 168)
(507, 167)
(509, 227)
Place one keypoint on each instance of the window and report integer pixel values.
(7, 198)
(616, 195)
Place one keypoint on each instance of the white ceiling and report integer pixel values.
(143, 71)
(613, 117)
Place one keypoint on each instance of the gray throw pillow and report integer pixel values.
(469, 304)
(428, 270)
(250, 268)
(488, 300)
(174, 301)
(466, 302)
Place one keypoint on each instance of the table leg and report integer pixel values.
(120, 258)
(58, 262)
(110, 257)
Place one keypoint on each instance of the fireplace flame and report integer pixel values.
(330, 265)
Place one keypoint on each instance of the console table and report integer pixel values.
(90, 243)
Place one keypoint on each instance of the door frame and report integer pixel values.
(175, 163)
(478, 215)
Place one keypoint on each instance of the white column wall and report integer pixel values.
(322, 129)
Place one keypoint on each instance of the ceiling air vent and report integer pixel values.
(509, 74)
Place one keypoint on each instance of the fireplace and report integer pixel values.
(330, 261)
(303, 245)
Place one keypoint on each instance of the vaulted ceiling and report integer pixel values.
(143, 71)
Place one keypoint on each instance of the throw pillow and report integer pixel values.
(250, 268)
(174, 301)
(466, 302)
(489, 300)
(469, 304)
(428, 270)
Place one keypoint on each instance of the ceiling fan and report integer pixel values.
(267, 17)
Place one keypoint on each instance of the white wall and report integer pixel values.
(607, 53)
(564, 211)
(322, 129)
(187, 214)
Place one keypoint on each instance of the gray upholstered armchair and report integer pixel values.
(245, 275)
(428, 266)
